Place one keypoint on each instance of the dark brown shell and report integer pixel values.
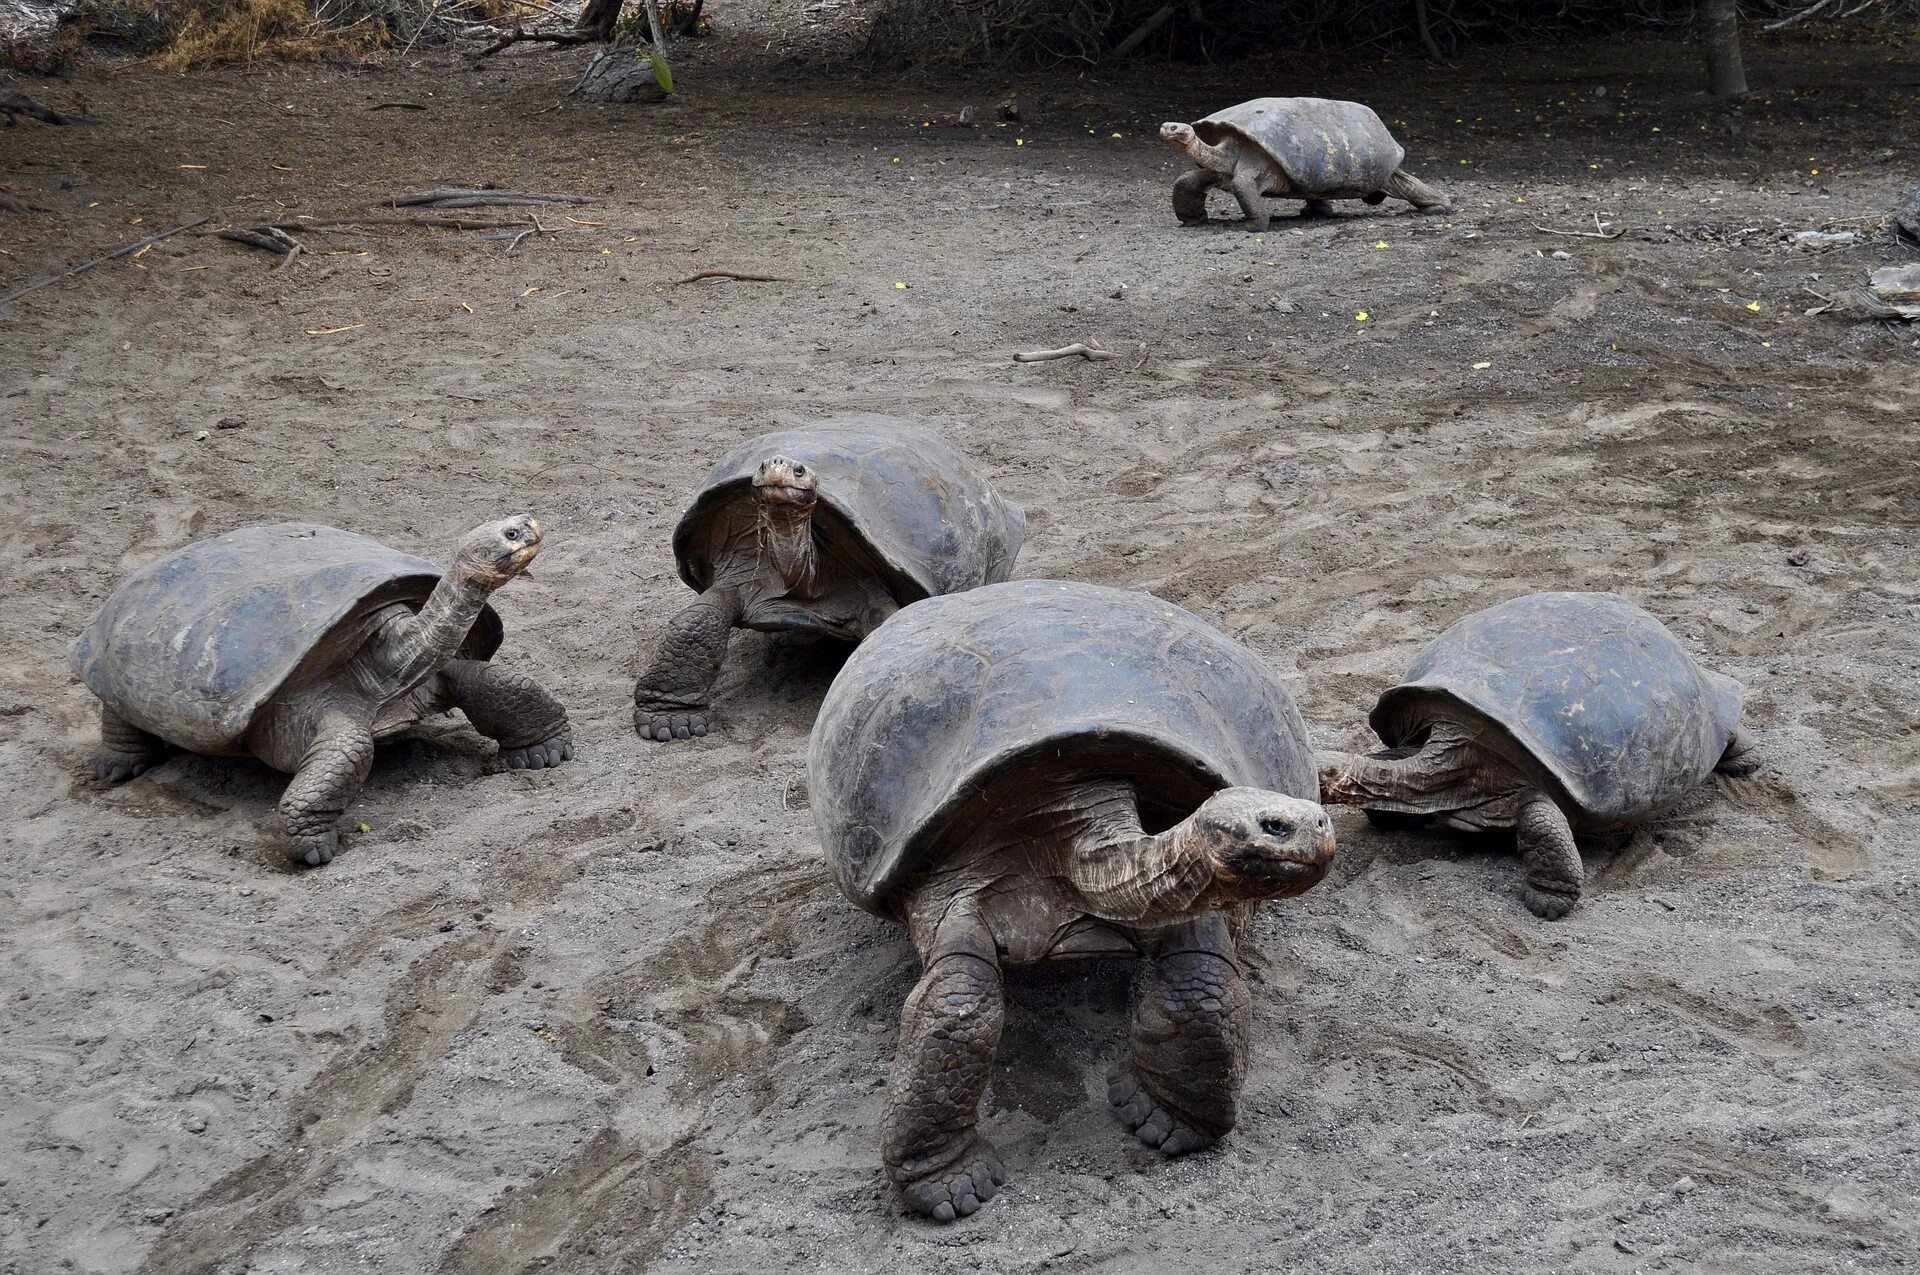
(1327, 149)
(935, 524)
(952, 692)
(190, 646)
(1597, 691)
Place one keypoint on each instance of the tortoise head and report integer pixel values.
(1263, 845)
(1179, 136)
(784, 482)
(495, 552)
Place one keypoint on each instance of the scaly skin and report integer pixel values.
(125, 750)
(331, 772)
(673, 697)
(1551, 859)
(1064, 866)
(949, 1029)
(511, 708)
(1180, 1090)
(1404, 185)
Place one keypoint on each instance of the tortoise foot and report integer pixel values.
(1438, 210)
(117, 768)
(1548, 905)
(959, 1187)
(1152, 1121)
(677, 723)
(548, 752)
(316, 852)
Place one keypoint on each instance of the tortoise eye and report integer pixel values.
(513, 533)
(799, 471)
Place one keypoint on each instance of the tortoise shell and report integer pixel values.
(1598, 692)
(189, 647)
(1327, 149)
(910, 500)
(955, 692)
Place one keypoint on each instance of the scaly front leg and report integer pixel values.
(934, 1152)
(331, 772)
(1180, 1090)
(1551, 859)
(125, 750)
(512, 708)
(673, 698)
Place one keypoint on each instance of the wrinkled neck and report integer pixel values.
(1121, 872)
(786, 538)
(1350, 779)
(1207, 156)
(440, 626)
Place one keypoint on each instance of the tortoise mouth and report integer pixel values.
(783, 493)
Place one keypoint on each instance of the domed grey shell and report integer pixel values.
(918, 505)
(1327, 149)
(1597, 691)
(190, 646)
(952, 692)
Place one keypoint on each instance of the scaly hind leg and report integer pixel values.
(1318, 208)
(934, 1153)
(673, 698)
(1404, 185)
(331, 772)
(1180, 1091)
(1550, 857)
(514, 710)
(1740, 759)
(1246, 186)
(1190, 196)
(125, 750)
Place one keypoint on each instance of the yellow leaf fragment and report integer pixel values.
(900, 284)
(466, 307)
(1754, 306)
(1361, 317)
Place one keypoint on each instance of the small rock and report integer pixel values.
(1567, 1056)
(1278, 306)
(194, 1124)
(1625, 1247)
(1798, 558)
(1120, 293)
(1683, 1186)
(231, 422)
(202, 436)
(965, 118)
(1561, 254)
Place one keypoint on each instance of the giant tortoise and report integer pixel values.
(1549, 714)
(825, 529)
(1307, 148)
(1039, 770)
(302, 645)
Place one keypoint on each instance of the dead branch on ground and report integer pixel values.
(85, 266)
(732, 274)
(1090, 350)
(480, 197)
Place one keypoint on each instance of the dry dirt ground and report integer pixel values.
(614, 1017)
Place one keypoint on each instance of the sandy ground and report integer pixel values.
(615, 1017)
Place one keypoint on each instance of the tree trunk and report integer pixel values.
(597, 19)
(1726, 76)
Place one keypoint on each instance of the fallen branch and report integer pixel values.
(432, 223)
(732, 274)
(1579, 234)
(396, 106)
(269, 238)
(565, 36)
(10, 204)
(85, 266)
(464, 197)
(1091, 351)
(1796, 18)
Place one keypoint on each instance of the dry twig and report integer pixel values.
(85, 266)
(732, 274)
(466, 197)
(1091, 351)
